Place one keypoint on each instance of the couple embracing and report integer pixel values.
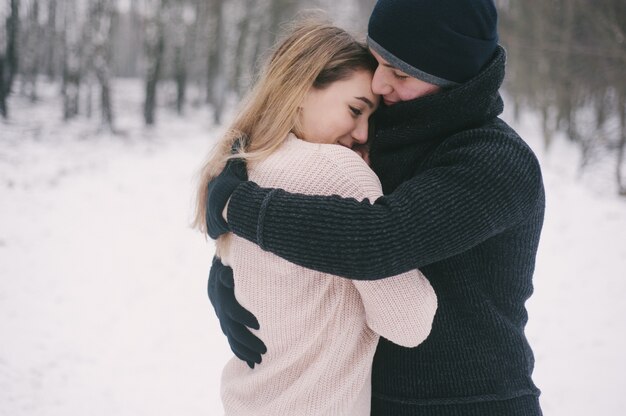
(377, 224)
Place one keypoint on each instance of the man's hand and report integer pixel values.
(219, 191)
(234, 319)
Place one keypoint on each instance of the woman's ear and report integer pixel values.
(297, 123)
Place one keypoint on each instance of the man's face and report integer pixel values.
(395, 85)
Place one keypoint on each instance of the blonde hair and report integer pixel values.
(313, 55)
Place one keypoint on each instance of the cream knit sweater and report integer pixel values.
(321, 331)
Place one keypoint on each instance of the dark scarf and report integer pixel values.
(406, 133)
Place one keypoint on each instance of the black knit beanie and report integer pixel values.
(442, 42)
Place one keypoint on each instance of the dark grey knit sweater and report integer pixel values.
(464, 203)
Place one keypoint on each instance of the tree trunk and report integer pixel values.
(179, 40)
(30, 50)
(181, 81)
(71, 60)
(51, 33)
(88, 85)
(621, 176)
(102, 14)
(9, 56)
(152, 80)
(215, 84)
(154, 47)
(241, 64)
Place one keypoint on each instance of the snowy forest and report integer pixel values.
(566, 58)
(211, 47)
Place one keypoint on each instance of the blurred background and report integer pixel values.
(566, 59)
(107, 110)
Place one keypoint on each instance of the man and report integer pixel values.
(464, 203)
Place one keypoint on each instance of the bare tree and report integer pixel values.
(126, 40)
(195, 49)
(9, 26)
(71, 60)
(50, 58)
(621, 147)
(179, 37)
(215, 70)
(97, 39)
(154, 47)
(30, 57)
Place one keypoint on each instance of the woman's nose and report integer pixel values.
(360, 132)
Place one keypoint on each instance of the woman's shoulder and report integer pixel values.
(314, 168)
(295, 151)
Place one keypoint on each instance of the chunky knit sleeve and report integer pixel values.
(400, 308)
(471, 188)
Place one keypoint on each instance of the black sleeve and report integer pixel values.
(469, 190)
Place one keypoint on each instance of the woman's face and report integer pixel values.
(338, 113)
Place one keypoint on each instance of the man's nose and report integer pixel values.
(380, 85)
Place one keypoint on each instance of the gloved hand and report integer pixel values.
(234, 319)
(220, 190)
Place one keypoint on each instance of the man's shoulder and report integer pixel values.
(494, 138)
(489, 153)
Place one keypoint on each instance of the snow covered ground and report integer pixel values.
(103, 306)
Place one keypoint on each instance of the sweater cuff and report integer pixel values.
(246, 210)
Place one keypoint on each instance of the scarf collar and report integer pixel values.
(437, 116)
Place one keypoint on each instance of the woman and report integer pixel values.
(309, 108)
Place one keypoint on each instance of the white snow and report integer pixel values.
(103, 306)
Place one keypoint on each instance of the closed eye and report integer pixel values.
(356, 111)
(399, 76)
(395, 72)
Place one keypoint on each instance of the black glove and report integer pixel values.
(220, 190)
(234, 318)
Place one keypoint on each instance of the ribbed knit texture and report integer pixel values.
(442, 42)
(321, 331)
(464, 203)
